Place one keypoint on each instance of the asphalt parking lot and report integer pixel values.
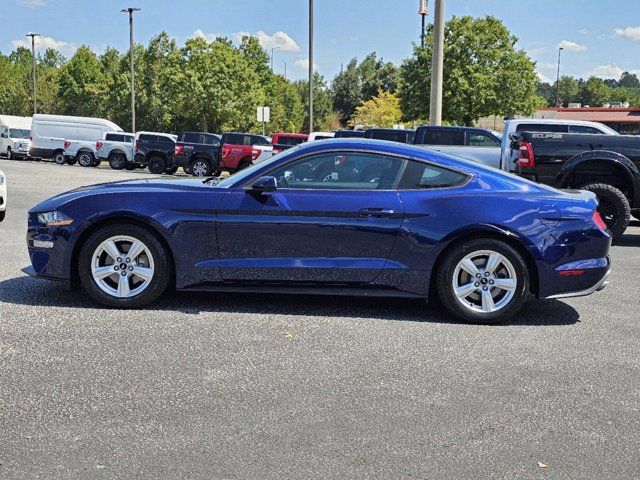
(258, 386)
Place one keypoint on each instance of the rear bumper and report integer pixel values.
(599, 285)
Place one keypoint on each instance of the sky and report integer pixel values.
(600, 37)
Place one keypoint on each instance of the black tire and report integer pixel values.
(85, 158)
(244, 163)
(70, 161)
(171, 170)
(447, 271)
(200, 167)
(97, 162)
(117, 161)
(157, 165)
(58, 158)
(2, 215)
(157, 285)
(129, 167)
(9, 154)
(613, 207)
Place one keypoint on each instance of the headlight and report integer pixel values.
(54, 219)
(1, 179)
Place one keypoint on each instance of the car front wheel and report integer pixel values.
(157, 165)
(117, 161)
(85, 159)
(124, 266)
(200, 167)
(483, 281)
(58, 157)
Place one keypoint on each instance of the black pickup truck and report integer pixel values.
(198, 153)
(607, 165)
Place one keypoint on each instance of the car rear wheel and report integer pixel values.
(124, 266)
(200, 167)
(483, 281)
(85, 159)
(613, 207)
(58, 157)
(9, 154)
(117, 161)
(157, 165)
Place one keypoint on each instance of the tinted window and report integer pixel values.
(583, 129)
(340, 171)
(349, 134)
(291, 141)
(211, 140)
(163, 139)
(434, 136)
(410, 137)
(423, 175)
(147, 137)
(541, 127)
(257, 140)
(477, 139)
(192, 138)
(113, 137)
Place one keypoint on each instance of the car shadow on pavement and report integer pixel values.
(28, 291)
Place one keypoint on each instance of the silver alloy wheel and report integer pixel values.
(122, 266)
(85, 159)
(199, 168)
(59, 158)
(484, 281)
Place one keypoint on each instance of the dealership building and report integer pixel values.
(621, 119)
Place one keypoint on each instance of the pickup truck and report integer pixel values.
(237, 149)
(390, 134)
(283, 141)
(117, 149)
(475, 144)
(607, 165)
(82, 151)
(198, 153)
(155, 151)
(509, 157)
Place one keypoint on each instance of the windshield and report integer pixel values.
(247, 172)
(19, 133)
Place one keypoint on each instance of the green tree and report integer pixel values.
(483, 74)
(594, 92)
(382, 111)
(628, 80)
(568, 90)
(322, 102)
(82, 87)
(347, 91)
(287, 110)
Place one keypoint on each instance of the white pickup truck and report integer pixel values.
(81, 151)
(117, 149)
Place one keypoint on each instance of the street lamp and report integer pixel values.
(130, 11)
(274, 48)
(437, 63)
(310, 66)
(423, 11)
(33, 55)
(558, 79)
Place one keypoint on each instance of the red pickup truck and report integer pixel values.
(236, 149)
(283, 141)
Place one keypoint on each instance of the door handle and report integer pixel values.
(376, 212)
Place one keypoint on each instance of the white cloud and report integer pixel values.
(629, 32)
(607, 71)
(303, 63)
(279, 40)
(42, 43)
(571, 46)
(31, 3)
(546, 66)
(543, 78)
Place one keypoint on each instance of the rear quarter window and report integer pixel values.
(418, 175)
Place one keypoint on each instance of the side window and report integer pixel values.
(147, 137)
(258, 140)
(419, 175)
(340, 171)
(234, 139)
(541, 127)
(192, 138)
(477, 139)
(583, 129)
(211, 140)
(443, 137)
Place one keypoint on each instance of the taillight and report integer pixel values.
(137, 145)
(178, 150)
(66, 144)
(99, 145)
(526, 158)
(255, 153)
(597, 219)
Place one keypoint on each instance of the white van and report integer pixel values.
(14, 136)
(48, 133)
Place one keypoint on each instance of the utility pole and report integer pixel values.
(423, 11)
(310, 66)
(33, 55)
(285, 68)
(435, 110)
(558, 79)
(130, 11)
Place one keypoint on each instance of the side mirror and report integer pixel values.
(265, 184)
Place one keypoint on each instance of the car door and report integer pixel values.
(315, 227)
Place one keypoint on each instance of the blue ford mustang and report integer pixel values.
(350, 216)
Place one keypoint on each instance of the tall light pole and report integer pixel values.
(435, 109)
(310, 66)
(285, 68)
(558, 79)
(272, 50)
(130, 11)
(423, 11)
(33, 55)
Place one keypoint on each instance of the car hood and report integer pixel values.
(126, 187)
